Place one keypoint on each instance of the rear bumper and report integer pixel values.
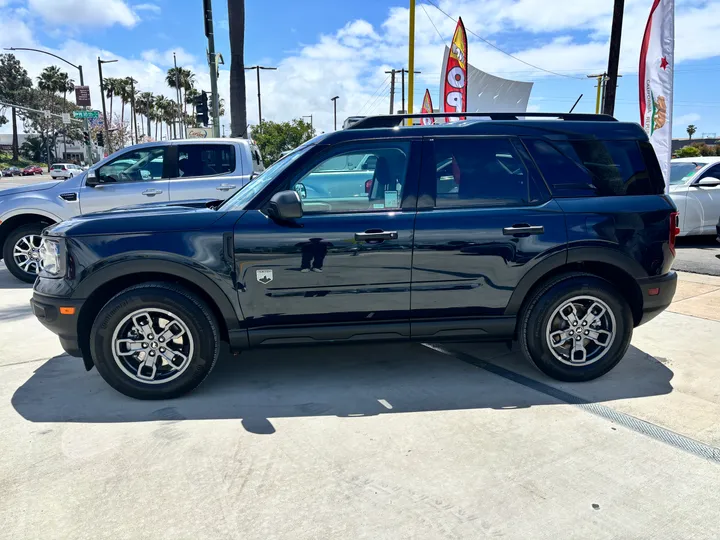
(654, 304)
(47, 311)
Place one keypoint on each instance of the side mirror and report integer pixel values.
(708, 181)
(301, 190)
(285, 206)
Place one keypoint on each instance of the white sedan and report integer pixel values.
(695, 189)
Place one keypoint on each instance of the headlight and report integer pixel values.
(51, 256)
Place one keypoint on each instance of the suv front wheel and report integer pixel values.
(576, 328)
(154, 341)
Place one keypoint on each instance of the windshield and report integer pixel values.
(246, 194)
(681, 171)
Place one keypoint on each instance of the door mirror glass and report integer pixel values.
(709, 181)
(301, 190)
(285, 206)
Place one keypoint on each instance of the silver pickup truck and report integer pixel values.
(144, 173)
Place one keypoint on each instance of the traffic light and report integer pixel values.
(100, 139)
(86, 138)
(201, 109)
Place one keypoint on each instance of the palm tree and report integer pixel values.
(691, 129)
(49, 79)
(144, 104)
(111, 86)
(180, 79)
(238, 112)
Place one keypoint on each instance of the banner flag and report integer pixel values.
(454, 95)
(427, 107)
(657, 65)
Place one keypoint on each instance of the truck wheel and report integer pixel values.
(21, 251)
(154, 341)
(576, 328)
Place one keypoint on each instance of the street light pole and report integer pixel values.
(614, 59)
(311, 120)
(88, 147)
(102, 97)
(257, 69)
(334, 100)
(133, 120)
(212, 60)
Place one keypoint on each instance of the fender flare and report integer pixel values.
(586, 254)
(21, 211)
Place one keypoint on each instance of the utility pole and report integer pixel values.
(601, 83)
(403, 72)
(177, 92)
(133, 120)
(212, 60)
(614, 59)
(411, 58)
(392, 90)
(257, 70)
(311, 122)
(334, 100)
(102, 97)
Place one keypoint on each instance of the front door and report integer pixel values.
(135, 177)
(482, 223)
(703, 205)
(342, 271)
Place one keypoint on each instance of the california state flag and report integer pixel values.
(656, 80)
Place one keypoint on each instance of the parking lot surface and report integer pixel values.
(378, 442)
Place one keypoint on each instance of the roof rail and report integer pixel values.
(388, 121)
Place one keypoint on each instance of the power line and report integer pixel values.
(374, 94)
(502, 51)
(378, 101)
(431, 22)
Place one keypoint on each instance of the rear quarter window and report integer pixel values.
(594, 168)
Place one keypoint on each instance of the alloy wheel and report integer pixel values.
(26, 253)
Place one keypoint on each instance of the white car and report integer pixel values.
(64, 170)
(695, 189)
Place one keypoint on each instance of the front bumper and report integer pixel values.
(47, 310)
(655, 303)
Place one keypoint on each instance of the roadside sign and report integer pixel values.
(82, 96)
(86, 114)
(66, 118)
(199, 133)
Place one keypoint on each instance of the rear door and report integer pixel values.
(135, 177)
(703, 205)
(206, 170)
(484, 220)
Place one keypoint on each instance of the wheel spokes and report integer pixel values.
(579, 353)
(148, 367)
(599, 337)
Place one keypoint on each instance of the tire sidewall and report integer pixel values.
(9, 245)
(539, 318)
(195, 316)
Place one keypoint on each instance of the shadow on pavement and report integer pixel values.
(15, 313)
(8, 281)
(697, 242)
(342, 381)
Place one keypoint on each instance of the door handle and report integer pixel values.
(523, 229)
(152, 192)
(225, 187)
(374, 236)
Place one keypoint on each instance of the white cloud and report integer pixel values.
(76, 13)
(154, 8)
(165, 58)
(686, 119)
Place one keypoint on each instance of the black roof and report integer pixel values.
(530, 124)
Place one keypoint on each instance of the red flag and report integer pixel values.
(427, 107)
(455, 91)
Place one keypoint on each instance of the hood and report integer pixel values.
(143, 218)
(30, 187)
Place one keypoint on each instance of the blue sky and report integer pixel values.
(327, 47)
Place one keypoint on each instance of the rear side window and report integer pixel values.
(480, 172)
(205, 160)
(257, 161)
(592, 168)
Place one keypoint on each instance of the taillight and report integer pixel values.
(368, 185)
(674, 230)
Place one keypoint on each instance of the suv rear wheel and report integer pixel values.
(21, 251)
(154, 341)
(576, 328)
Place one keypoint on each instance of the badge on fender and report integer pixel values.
(264, 276)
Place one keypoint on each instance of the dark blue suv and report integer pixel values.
(553, 231)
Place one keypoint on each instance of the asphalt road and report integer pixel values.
(7, 182)
(699, 255)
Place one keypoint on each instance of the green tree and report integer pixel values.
(275, 138)
(688, 151)
(238, 110)
(144, 103)
(14, 85)
(691, 129)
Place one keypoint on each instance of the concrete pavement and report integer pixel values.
(698, 254)
(377, 442)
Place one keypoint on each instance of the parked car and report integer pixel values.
(153, 172)
(31, 170)
(11, 171)
(695, 189)
(556, 233)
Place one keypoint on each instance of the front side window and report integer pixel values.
(479, 172)
(136, 166)
(205, 160)
(368, 178)
(682, 171)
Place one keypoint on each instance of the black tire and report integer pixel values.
(535, 320)
(8, 248)
(192, 311)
